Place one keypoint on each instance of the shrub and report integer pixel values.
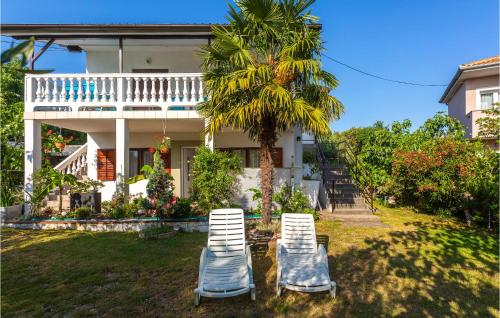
(293, 201)
(122, 211)
(47, 212)
(181, 208)
(81, 213)
(160, 187)
(257, 197)
(448, 177)
(215, 177)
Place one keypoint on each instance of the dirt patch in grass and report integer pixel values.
(420, 266)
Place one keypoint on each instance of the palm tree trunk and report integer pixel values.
(267, 141)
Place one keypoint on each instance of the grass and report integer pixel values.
(421, 266)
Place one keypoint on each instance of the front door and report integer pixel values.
(187, 164)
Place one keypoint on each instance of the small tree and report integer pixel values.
(160, 188)
(215, 177)
(60, 180)
(489, 126)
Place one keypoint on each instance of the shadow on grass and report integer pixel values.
(430, 271)
(436, 270)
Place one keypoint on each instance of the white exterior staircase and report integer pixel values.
(75, 164)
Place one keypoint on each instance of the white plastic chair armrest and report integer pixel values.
(322, 254)
(203, 260)
(278, 251)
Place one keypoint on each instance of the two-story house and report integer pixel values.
(141, 82)
(474, 88)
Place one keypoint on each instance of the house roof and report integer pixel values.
(481, 68)
(48, 31)
(488, 60)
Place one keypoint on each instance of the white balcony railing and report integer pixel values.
(115, 91)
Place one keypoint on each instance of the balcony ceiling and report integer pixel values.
(107, 44)
(135, 125)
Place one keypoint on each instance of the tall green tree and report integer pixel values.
(11, 132)
(264, 75)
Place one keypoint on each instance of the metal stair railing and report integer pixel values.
(362, 179)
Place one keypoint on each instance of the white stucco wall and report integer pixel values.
(234, 139)
(229, 139)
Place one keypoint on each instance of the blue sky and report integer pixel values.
(418, 41)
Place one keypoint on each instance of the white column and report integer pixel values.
(122, 152)
(32, 152)
(209, 140)
(297, 156)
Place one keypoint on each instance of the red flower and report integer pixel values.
(49, 132)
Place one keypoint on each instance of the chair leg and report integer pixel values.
(252, 294)
(197, 299)
(333, 290)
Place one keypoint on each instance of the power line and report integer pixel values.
(381, 77)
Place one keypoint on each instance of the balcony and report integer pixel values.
(114, 92)
(471, 126)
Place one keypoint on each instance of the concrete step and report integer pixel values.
(343, 181)
(350, 206)
(347, 194)
(352, 212)
(345, 187)
(353, 200)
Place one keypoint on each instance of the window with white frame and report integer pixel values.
(487, 97)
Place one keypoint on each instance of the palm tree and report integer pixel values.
(264, 75)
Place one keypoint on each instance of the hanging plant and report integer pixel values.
(164, 145)
(55, 142)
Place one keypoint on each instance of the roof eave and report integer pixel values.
(455, 83)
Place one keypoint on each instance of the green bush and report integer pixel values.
(181, 208)
(215, 175)
(83, 212)
(293, 201)
(449, 177)
(433, 168)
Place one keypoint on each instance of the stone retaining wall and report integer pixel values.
(106, 225)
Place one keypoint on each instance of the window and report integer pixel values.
(250, 157)
(106, 160)
(143, 156)
(106, 164)
(487, 98)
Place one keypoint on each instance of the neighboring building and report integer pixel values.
(141, 82)
(474, 88)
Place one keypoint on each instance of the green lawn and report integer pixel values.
(421, 266)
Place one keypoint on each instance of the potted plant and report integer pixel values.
(55, 142)
(164, 145)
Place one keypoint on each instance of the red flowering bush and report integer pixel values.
(446, 176)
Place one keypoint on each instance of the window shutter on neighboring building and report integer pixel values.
(106, 164)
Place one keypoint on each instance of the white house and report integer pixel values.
(141, 82)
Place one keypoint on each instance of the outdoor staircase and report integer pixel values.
(347, 203)
(76, 164)
(344, 195)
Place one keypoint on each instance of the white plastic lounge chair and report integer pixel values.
(226, 262)
(302, 266)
